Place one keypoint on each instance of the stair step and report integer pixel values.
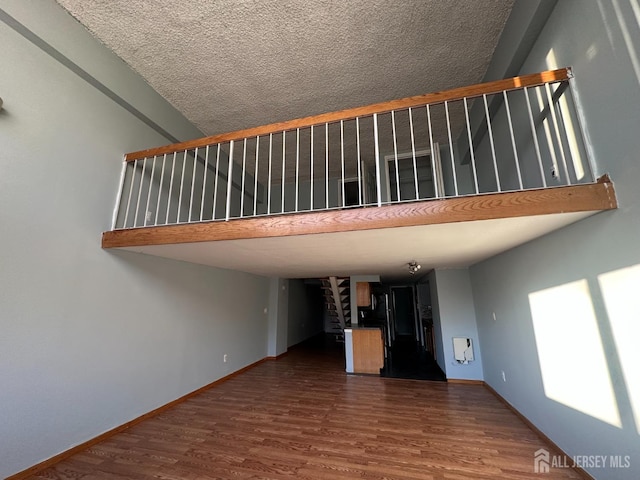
(336, 292)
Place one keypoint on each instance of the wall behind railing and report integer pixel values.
(541, 159)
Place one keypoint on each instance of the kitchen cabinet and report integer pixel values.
(363, 294)
(366, 354)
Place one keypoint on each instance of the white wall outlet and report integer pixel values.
(148, 216)
(225, 356)
(504, 377)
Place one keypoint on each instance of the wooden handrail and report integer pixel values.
(477, 90)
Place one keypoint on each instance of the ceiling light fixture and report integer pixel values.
(414, 267)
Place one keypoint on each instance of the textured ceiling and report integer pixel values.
(232, 64)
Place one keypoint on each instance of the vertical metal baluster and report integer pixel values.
(133, 178)
(395, 156)
(173, 168)
(535, 136)
(116, 209)
(451, 154)
(283, 167)
(471, 151)
(255, 173)
(297, 165)
(557, 130)
(580, 118)
(269, 184)
(564, 137)
(311, 166)
(360, 199)
(545, 123)
(434, 174)
(215, 183)
(229, 180)
(342, 157)
(193, 182)
(146, 208)
(513, 139)
(377, 157)
(144, 166)
(493, 147)
(164, 160)
(244, 171)
(204, 182)
(184, 164)
(413, 152)
(326, 167)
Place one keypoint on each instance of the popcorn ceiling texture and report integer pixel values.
(232, 64)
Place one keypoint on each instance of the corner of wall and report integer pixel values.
(437, 323)
(453, 299)
(277, 316)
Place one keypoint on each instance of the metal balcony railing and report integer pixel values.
(515, 134)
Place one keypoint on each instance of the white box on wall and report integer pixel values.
(462, 350)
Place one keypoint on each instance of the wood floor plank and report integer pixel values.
(302, 417)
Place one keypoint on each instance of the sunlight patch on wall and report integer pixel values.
(572, 361)
(636, 10)
(565, 114)
(628, 39)
(547, 130)
(620, 293)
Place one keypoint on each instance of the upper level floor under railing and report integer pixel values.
(517, 134)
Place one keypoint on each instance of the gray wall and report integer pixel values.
(437, 322)
(305, 312)
(278, 316)
(91, 338)
(454, 316)
(584, 277)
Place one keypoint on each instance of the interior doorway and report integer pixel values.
(404, 312)
(407, 353)
(410, 170)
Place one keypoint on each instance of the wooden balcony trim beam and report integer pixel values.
(487, 88)
(578, 198)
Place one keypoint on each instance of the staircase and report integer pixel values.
(338, 300)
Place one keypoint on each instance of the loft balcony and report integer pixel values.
(449, 178)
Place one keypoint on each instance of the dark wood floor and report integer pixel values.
(301, 417)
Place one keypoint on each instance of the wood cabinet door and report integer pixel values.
(363, 294)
